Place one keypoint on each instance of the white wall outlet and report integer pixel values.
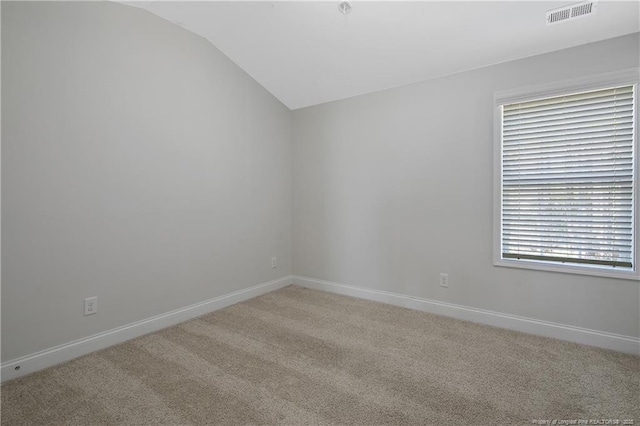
(444, 280)
(90, 305)
(274, 262)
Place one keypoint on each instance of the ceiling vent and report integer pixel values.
(571, 12)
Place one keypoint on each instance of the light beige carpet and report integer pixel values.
(299, 356)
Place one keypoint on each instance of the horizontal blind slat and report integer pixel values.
(613, 122)
(617, 140)
(595, 131)
(603, 111)
(570, 100)
(582, 107)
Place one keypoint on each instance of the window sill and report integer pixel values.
(595, 271)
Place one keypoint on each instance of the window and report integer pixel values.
(567, 184)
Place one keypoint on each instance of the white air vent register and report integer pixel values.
(571, 12)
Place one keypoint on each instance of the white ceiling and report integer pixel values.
(307, 52)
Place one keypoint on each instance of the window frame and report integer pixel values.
(618, 78)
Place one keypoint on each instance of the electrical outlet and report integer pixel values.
(274, 262)
(444, 280)
(91, 305)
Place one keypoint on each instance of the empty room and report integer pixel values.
(320, 212)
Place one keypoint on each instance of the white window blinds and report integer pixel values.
(567, 178)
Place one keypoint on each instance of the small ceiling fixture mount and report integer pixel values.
(344, 7)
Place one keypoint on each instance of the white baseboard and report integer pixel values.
(47, 358)
(585, 336)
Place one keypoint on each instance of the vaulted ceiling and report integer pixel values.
(307, 52)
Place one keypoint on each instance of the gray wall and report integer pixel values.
(395, 187)
(139, 164)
